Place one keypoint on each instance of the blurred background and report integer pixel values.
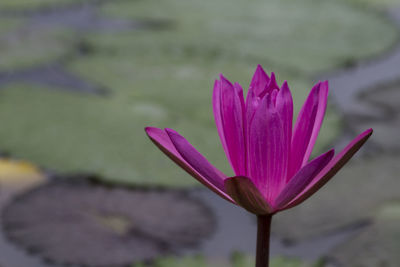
(81, 184)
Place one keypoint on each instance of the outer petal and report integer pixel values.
(307, 127)
(217, 115)
(302, 178)
(332, 168)
(266, 150)
(196, 160)
(161, 139)
(228, 111)
(246, 194)
(284, 105)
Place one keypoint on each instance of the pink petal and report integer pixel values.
(196, 160)
(266, 150)
(302, 178)
(246, 194)
(307, 127)
(332, 168)
(272, 83)
(259, 81)
(284, 105)
(274, 95)
(161, 139)
(270, 87)
(232, 110)
(257, 86)
(218, 117)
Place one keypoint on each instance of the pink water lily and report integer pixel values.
(269, 156)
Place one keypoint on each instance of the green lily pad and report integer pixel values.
(24, 47)
(281, 33)
(72, 132)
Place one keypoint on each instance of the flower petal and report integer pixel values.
(302, 178)
(259, 81)
(232, 111)
(307, 126)
(217, 115)
(196, 160)
(162, 140)
(246, 194)
(270, 87)
(284, 105)
(272, 83)
(332, 168)
(257, 86)
(266, 150)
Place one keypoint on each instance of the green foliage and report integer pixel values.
(284, 262)
(242, 260)
(196, 261)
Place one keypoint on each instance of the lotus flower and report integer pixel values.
(269, 156)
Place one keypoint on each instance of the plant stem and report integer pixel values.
(263, 236)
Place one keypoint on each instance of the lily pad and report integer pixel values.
(94, 225)
(24, 47)
(95, 134)
(262, 31)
